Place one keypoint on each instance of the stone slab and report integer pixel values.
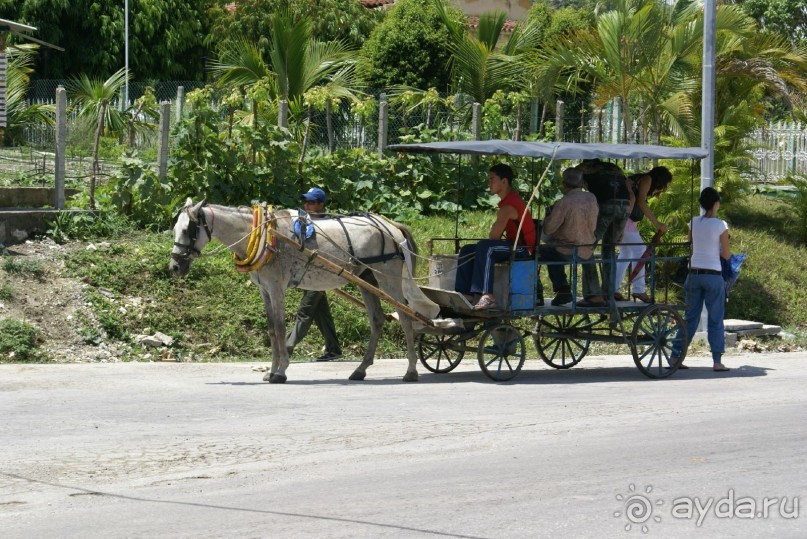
(740, 325)
(764, 330)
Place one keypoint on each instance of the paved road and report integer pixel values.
(208, 450)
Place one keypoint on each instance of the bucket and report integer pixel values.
(443, 271)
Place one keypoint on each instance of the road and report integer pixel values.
(208, 450)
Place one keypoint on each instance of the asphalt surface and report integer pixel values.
(209, 450)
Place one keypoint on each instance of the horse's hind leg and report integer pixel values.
(376, 317)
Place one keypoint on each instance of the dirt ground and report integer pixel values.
(50, 301)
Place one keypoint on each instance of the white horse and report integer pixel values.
(366, 245)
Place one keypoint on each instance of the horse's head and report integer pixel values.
(188, 240)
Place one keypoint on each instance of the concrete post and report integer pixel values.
(61, 144)
(476, 121)
(179, 108)
(283, 113)
(383, 125)
(534, 106)
(560, 108)
(617, 121)
(162, 141)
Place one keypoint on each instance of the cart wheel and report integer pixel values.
(439, 353)
(501, 352)
(656, 330)
(562, 340)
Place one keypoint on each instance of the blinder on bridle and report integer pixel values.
(189, 252)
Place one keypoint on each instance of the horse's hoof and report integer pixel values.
(268, 376)
(357, 375)
(278, 379)
(410, 377)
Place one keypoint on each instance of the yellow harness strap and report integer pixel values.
(261, 244)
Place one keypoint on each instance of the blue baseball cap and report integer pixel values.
(315, 193)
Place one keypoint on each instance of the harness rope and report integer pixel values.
(261, 242)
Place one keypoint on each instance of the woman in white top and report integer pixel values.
(704, 285)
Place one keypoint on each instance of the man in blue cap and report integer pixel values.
(314, 306)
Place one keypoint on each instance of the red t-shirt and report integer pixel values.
(527, 229)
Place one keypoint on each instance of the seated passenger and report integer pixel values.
(476, 261)
(571, 223)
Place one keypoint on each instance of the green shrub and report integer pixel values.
(6, 292)
(19, 341)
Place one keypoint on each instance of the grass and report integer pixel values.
(6, 292)
(23, 268)
(19, 342)
(215, 313)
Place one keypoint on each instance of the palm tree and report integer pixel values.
(479, 65)
(20, 114)
(92, 98)
(296, 63)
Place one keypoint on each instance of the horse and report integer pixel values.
(366, 245)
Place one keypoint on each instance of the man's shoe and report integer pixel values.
(329, 356)
(561, 298)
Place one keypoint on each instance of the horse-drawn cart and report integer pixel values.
(561, 334)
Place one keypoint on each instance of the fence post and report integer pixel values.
(162, 141)
(180, 103)
(559, 116)
(329, 126)
(61, 143)
(476, 121)
(283, 114)
(617, 120)
(534, 106)
(383, 124)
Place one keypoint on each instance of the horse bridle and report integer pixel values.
(189, 252)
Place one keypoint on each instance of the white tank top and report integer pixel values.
(706, 232)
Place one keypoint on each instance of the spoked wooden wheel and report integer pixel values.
(562, 340)
(501, 352)
(657, 329)
(439, 353)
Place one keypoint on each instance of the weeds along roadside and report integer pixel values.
(216, 314)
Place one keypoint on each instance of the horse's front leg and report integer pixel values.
(409, 332)
(376, 317)
(275, 304)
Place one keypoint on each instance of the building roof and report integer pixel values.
(15, 26)
(509, 24)
(376, 3)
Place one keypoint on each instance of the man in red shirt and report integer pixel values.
(477, 260)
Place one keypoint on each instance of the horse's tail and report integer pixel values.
(410, 241)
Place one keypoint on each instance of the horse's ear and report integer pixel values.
(188, 202)
(194, 212)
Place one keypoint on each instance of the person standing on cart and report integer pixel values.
(314, 305)
(608, 183)
(477, 261)
(570, 225)
(645, 185)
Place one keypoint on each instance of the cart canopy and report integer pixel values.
(554, 150)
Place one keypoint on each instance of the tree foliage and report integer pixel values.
(331, 20)
(411, 48)
(785, 17)
(165, 37)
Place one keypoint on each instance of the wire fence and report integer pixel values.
(779, 150)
